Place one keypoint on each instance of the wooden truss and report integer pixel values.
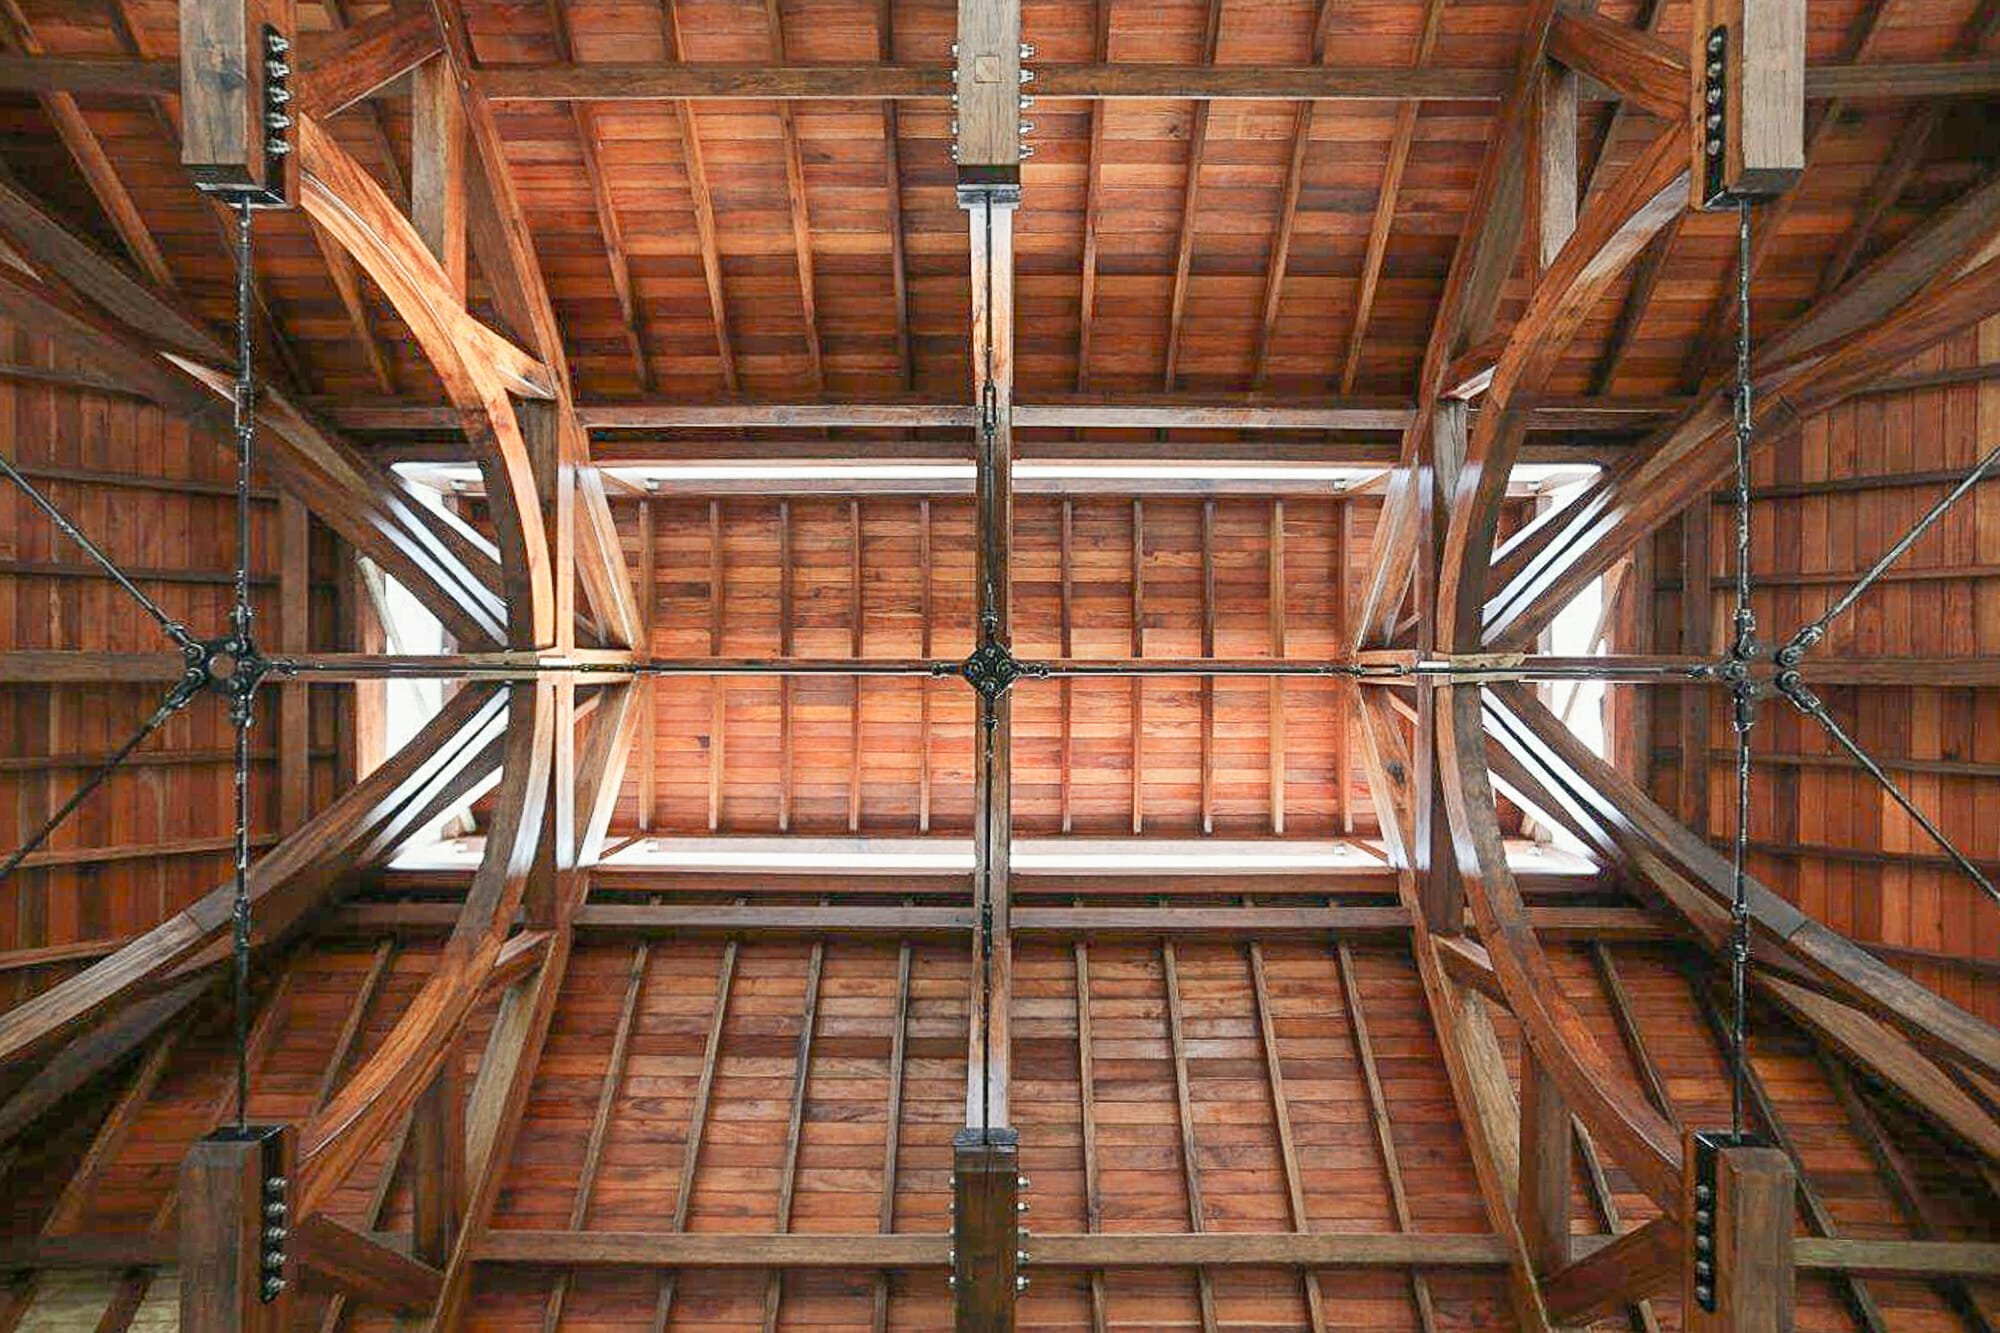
(1448, 612)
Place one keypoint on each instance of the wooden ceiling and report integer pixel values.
(1216, 247)
(1305, 1063)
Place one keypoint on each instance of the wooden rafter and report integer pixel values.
(1401, 139)
(795, 194)
(1197, 147)
(616, 257)
(1092, 190)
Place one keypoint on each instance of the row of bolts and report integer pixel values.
(1021, 1257)
(1027, 126)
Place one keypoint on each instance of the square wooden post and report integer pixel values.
(235, 1188)
(1739, 1237)
(986, 1187)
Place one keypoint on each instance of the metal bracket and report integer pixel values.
(991, 669)
(1715, 112)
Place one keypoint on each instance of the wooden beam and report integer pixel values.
(363, 1267)
(1150, 81)
(1696, 881)
(788, 1172)
(1190, 1149)
(700, 198)
(1632, 63)
(1197, 145)
(609, 227)
(892, 1130)
(1641, 1139)
(283, 885)
(384, 1089)
(985, 1255)
(353, 63)
(1092, 202)
(698, 1116)
(350, 494)
(1908, 300)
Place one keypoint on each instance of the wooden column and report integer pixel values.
(1545, 1139)
(985, 1154)
(1440, 891)
(986, 1186)
(294, 636)
(437, 1176)
(437, 166)
(234, 1200)
(1743, 1199)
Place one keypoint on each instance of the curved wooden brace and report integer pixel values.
(382, 1091)
(1612, 231)
(1645, 1142)
(1693, 455)
(477, 367)
(293, 877)
(1654, 841)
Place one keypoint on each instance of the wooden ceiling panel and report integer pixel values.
(785, 753)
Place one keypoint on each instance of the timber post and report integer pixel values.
(235, 1219)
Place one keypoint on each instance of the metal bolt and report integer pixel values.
(1714, 70)
(277, 69)
(1020, 1205)
(277, 94)
(1704, 1218)
(274, 1260)
(954, 50)
(1027, 151)
(276, 44)
(1704, 1269)
(1027, 50)
(1023, 1183)
(1020, 1282)
(276, 148)
(1703, 1244)
(277, 120)
(1715, 148)
(273, 1288)
(1027, 76)
(1715, 97)
(275, 1235)
(1703, 1193)
(1021, 1257)
(1027, 103)
(951, 1281)
(275, 1211)
(276, 1185)
(1027, 128)
(954, 128)
(1704, 1294)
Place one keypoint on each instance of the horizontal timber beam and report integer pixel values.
(607, 82)
(1323, 1250)
(1350, 921)
(1254, 412)
(1300, 83)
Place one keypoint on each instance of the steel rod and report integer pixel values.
(172, 628)
(1809, 635)
(1809, 703)
(174, 701)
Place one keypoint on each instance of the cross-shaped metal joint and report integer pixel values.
(232, 666)
(992, 669)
